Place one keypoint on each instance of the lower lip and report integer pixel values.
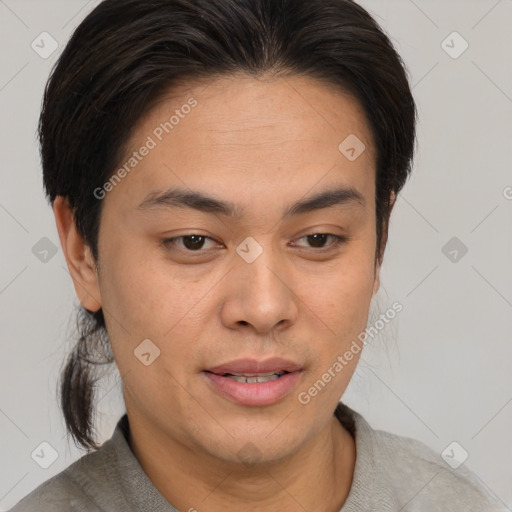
(257, 393)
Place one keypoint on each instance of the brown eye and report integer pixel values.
(320, 240)
(193, 242)
(188, 243)
(317, 240)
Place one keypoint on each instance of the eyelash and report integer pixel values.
(337, 241)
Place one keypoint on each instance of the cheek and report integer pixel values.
(342, 297)
(151, 298)
(342, 306)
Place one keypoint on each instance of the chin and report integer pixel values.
(255, 446)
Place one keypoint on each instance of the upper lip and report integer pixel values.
(253, 366)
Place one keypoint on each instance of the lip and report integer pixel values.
(254, 366)
(258, 393)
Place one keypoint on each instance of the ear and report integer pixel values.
(376, 281)
(79, 259)
(384, 238)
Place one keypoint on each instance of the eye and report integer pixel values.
(319, 240)
(190, 243)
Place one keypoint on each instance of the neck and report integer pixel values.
(320, 472)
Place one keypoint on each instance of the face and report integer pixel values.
(241, 243)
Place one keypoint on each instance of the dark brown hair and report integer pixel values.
(127, 53)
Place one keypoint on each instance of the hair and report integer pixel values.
(127, 54)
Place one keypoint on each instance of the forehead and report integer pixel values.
(245, 137)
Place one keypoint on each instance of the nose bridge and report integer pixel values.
(263, 295)
(262, 276)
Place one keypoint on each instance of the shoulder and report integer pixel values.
(394, 472)
(59, 493)
(421, 477)
(72, 490)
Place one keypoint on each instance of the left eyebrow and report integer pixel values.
(326, 199)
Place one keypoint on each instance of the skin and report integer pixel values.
(263, 145)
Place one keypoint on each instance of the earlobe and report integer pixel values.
(376, 281)
(392, 201)
(79, 258)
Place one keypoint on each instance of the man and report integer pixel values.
(222, 175)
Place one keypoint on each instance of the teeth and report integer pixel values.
(256, 374)
(252, 378)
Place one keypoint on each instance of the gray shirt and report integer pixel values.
(392, 473)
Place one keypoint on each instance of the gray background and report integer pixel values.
(439, 373)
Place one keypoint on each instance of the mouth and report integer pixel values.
(252, 382)
(253, 378)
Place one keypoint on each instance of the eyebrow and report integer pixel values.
(326, 199)
(197, 200)
(177, 197)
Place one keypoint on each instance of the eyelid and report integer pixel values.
(338, 240)
(167, 243)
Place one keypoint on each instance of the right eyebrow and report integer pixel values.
(177, 197)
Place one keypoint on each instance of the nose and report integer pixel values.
(260, 295)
